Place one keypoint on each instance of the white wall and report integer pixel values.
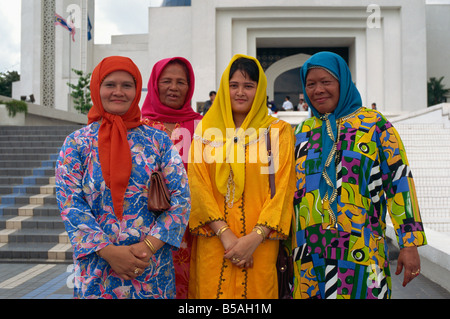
(30, 65)
(388, 63)
(133, 46)
(438, 38)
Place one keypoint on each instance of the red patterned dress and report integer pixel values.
(181, 257)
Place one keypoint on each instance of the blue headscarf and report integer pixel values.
(349, 102)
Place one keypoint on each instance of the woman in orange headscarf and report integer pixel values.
(121, 249)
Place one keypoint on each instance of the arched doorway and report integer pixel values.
(285, 74)
(288, 84)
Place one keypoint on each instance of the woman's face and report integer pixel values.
(173, 86)
(323, 90)
(242, 93)
(117, 92)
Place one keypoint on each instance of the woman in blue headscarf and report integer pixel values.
(351, 170)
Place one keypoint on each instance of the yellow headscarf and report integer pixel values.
(220, 117)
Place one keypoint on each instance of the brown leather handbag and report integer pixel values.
(284, 265)
(158, 193)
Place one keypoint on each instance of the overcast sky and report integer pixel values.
(113, 17)
(9, 35)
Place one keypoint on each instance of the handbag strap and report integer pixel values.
(271, 166)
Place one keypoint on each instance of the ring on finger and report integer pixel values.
(136, 271)
(416, 273)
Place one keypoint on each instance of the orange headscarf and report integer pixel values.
(114, 151)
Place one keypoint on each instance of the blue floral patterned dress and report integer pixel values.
(86, 209)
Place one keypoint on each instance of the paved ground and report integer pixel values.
(54, 281)
(35, 281)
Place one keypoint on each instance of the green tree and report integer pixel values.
(81, 92)
(6, 81)
(15, 107)
(436, 91)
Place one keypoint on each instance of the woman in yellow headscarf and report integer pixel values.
(236, 221)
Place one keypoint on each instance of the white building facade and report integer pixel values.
(385, 44)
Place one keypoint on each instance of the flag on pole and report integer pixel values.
(60, 21)
(89, 29)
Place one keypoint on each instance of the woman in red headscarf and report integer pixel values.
(167, 107)
(121, 249)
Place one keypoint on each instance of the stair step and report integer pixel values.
(39, 171)
(431, 135)
(32, 222)
(26, 180)
(436, 191)
(415, 127)
(31, 138)
(432, 181)
(415, 147)
(27, 144)
(430, 202)
(435, 211)
(55, 236)
(29, 150)
(30, 190)
(430, 172)
(38, 130)
(427, 157)
(29, 252)
(25, 157)
(28, 209)
(26, 163)
(420, 154)
(426, 164)
(438, 226)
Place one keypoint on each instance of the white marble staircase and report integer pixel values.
(428, 151)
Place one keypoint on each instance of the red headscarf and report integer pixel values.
(154, 110)
(114, 151)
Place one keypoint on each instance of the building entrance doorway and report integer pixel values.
(282, 68)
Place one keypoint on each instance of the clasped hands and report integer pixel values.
(239, 250)
(129, 262)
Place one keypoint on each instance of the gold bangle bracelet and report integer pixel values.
(222, 230)
(260, 231)
(150, 245)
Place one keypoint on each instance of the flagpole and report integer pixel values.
(60, 21)
(70, 72)
(69, 107)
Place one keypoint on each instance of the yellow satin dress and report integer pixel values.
(212, 276)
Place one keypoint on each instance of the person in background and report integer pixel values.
(351, 171)
(287, 104)
(302, 105)
(236, 223)
(207, 105)
(167, 107)
(120, 248)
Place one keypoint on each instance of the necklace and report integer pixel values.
(334, 154)
(170, 130)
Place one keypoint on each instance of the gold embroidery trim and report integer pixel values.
(327, 202)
